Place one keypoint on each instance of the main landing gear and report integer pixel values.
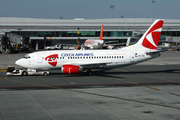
(89, 72)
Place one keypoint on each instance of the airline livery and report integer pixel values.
(95, 44)
(75, 61)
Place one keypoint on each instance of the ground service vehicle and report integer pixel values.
(26, 72)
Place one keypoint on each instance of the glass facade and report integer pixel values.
(86, 33)
(170, 33)
(73, 33)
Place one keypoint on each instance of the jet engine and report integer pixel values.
(71, 69)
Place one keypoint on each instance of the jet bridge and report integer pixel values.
(10, 42)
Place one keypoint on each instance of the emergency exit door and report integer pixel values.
(39, 58)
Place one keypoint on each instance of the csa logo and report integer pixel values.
(152, 37)
(52, 59)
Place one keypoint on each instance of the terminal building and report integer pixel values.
(39, 33)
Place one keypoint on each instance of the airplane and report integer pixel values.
(76, 61)
(101, 44)
(95, 44)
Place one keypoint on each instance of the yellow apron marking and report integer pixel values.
(117, 78)
(175, 94)
(3, 69)
(132, 82)
(153, 88)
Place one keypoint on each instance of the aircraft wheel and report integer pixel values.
(24, 73)
(45, 74)
(89, 72)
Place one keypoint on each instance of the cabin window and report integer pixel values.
(26, 57)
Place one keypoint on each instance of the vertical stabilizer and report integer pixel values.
(101, 36)
(151, 37)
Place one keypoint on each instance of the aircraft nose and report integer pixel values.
(18, 62)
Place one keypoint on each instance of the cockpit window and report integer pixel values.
(26, 57)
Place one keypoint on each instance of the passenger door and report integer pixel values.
(132, 57)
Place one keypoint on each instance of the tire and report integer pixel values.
(24, 73)
(89, 72)
(45, 74)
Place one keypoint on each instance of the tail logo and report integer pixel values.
(152, 37)
(101, 35)
(52, 59)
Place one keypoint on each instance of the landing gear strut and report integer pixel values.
(89, 72)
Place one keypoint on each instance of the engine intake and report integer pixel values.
(71, 69)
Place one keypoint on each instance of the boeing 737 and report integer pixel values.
(95, 44)
(75, 61)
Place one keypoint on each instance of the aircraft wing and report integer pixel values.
(91, 66)
(112, 42)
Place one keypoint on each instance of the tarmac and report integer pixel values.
(145, 91)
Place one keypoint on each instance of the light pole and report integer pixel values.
(112, 7)
(78, 36)
(153, 1)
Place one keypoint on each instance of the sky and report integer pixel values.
(90, 9)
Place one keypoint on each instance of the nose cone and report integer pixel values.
(18, 62)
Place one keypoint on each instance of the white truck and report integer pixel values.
(56, 47)
(26, 72)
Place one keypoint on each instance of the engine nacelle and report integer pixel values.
(71, 69)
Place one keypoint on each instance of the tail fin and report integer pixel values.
(151, 37)
(101, 36)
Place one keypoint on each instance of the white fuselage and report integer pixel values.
(109, 58)
(94, 44)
